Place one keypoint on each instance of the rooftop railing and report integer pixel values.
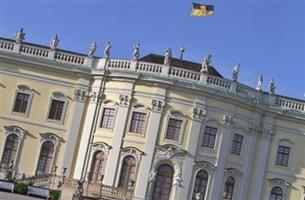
(140, 67)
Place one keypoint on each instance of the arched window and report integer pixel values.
(276, 193)
(163, 184)
(229, 188)
(128, 171)
(97, 166)
(10, 150)
(200, 184)
(45, 158)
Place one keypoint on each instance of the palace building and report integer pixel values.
(160, 127)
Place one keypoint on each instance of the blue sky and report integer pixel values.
(263, 36)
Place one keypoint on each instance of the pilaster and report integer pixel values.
(118, 134)
(152, 134)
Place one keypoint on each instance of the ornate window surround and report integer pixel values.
(129, 151)
(108, 104)
(244, 144)
(237, 175)
(141, 109)
(278, 182)
(174, 114)
(99, 146)
(47, 137)
(60, 97)
(210, 169)
(25, 90)
(19, 132)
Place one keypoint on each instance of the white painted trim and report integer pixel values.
(28, 91)
(59, 97)
(140, 109)
(173, 114)
(44, 140)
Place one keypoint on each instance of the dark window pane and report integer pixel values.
(21, 102)
(229, 188)
(200, 185)
(237, 144)
(45, 158)
(10, 150)
(173, 129)
(209, 137)
(56, 109)
(282, 156)
(108, 118)
(137, 124)
(163, 184)
(276, 193)
(127, 172)
(97, 167)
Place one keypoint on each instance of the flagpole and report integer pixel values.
(182, 49)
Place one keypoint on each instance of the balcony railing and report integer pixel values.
(147, 68)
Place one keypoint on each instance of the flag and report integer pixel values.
(202, 10)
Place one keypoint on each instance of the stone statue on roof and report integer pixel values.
(107, 50)
(136, 51)
(92, 49)
(260, 82)
(167, 57)
(206, 63)
(272, 87)
(54, 42)
(20, 35)
(235, 72)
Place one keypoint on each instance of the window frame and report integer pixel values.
(207, 183)
(138, 109)
(59, 97)
(203, 136)
(23, 89)
(239, 153)
(177, 116)
(110, 105)
(285, 143)
(53, 155)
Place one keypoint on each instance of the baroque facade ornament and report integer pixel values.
(157, 105)
(168, 57)
(136, 52)
(260, 83)
(272, 87)
(124, 100)
(107, 51)
(92, 49)
(232, 172)
(80, 95)
(228, 119)
(20, 35)
(199, 113)
(206, 63)
(54, 42)
(235, 72)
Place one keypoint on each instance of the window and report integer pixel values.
(108, 118)
(163, 183)
(229, 188)
(237, 144)
(22, 99)
(276, 193)
(10, 151)
(282, 156)
(138, 122)
(209, 137)
(128, 171)
(45, 158)
(96, 171)
(57, 107)
(200, 185)
(173, 129)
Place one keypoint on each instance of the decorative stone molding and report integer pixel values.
(15, 130)
(133, 152)
(102, 147)
(157, 105)
(232, 172)
(80, 95)
(228, 119)
(177, 179)
(266, 134)
(277, 182)
(210, 168)
(199, 114)
(50, 137)
(125, 99)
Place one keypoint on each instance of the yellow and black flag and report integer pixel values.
(202, 10)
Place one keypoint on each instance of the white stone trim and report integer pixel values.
(214, 124)
(237, 175)
(286, 143)
(60, 97)
(277, 182)
(25, 90)
(173, 114)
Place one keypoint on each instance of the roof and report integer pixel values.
(185, 64)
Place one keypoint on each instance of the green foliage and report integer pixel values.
(54, 194)
(9, 175)
(21, 188)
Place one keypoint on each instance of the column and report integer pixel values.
(247, 167)
(222, 157)
(260, 166)
(145, 166)
(72, 135)
(118, 134)
(87, 130)
(187, 170)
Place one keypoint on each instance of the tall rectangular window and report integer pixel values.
(21, 102)
(108, 118)
(282, 156)
(209, 137)
(237, 144)
(174, 129)
(56, 109)
(137, 122)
